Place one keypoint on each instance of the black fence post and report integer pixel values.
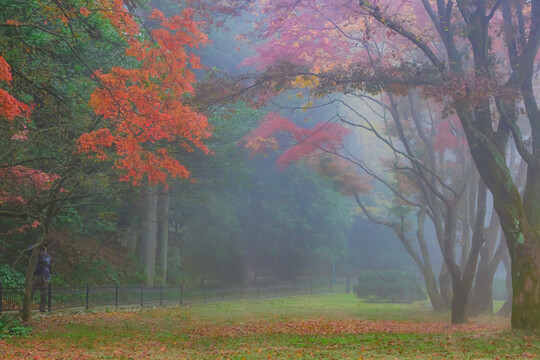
(49, 296)
(142, 295)
(181, 293)
(1, 295)
(87, 295)
(116, 295)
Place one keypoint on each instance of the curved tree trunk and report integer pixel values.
(445, 285)
(26, 312)
(434, 295)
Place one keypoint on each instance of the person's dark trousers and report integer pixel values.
(39, 284)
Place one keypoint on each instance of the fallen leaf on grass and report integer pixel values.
(352, 326)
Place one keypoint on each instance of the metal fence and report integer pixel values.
(89, 296)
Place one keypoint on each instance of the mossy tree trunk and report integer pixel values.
(519, 218)
(488, 128)
(522, 238)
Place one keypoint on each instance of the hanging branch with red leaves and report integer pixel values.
(10, 107)
(315, 144)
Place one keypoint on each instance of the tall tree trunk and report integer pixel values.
(163, 232)
(26, 312)
(445, 285)
(130, 237)
(522, 239)
(434, 295)
(460, 302)
(483, 289)
(150, 241)
(526, 284)
(490, 259)
(462, 281)
(506, 309)
(485, 277)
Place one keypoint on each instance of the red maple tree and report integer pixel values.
(144, 106)
(10, 107)
(319, 145)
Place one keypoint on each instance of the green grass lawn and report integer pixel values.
(335, 326)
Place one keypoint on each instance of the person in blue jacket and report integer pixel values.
(42, 276)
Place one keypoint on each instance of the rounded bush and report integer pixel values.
(389, 286)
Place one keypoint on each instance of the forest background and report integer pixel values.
(89, 167)
(237, 221)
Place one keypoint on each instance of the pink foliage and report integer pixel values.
(324, 34)
(302, 33)
(21, 135)
(448, 136)
(19, 180)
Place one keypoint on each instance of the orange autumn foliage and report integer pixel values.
(342, 172)
(10, 107)
(144, 106)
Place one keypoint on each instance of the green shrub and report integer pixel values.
(10, 278)
(389, 286)
(10, 326)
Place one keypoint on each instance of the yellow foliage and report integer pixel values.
(305, 81)
(307, 105)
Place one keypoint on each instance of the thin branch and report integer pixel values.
(409, 157)
(516, 134)
(370, 216)
(398, 28)
(494, 9)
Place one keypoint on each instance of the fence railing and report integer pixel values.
(89, 296)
